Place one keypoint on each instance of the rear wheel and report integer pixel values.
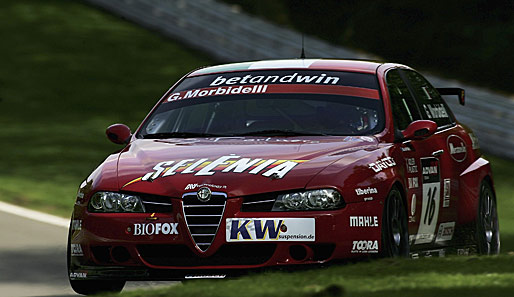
(89, 287)
(395, 235)
(487, 228)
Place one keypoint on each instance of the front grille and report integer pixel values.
(259, 202)
(158, 204)
(228, 254)
(203, 218)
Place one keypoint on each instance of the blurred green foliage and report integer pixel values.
(471, 41)
(67, 72)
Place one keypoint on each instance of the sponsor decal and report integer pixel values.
(196, 186)
(206, 276)
(368, 199)
(270, 229)
(76, 250)
(155, 229)
(382, 164)
(366, 191)
(413, 205)
(411, 165)
(365, 246)
(406, 149)
(457, 148)
(266, 139)
(474, 141)
(363, 221)
(223, 164)
(430, 170)
(435, 111)
(446, 192)
(431, 200)
(445, 232)
(76, 225)
(198, 93)
(294, 78)
(74, 275)
(84, 189)
(413, 182)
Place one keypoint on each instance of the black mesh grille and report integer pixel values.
(229, 254)
(158, 204)
(203, 218)
(101, 253)
(260, 202)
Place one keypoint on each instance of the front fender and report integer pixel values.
(362, 176)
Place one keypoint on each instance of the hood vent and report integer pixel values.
(203, 218)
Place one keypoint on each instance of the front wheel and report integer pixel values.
(395, 234)
(487, 227)
(90, 287)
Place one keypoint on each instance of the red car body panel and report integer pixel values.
(363, 169)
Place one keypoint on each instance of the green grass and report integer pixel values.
(451, 276)
(67, 72)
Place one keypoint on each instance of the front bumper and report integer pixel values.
(116, 246)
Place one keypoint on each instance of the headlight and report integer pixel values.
(309, 200)
(115, 202)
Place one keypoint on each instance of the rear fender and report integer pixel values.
(469, 189)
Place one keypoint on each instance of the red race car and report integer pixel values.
(273, 163)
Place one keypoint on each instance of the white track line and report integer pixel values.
(34, 215)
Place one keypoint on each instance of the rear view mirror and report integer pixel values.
(453, 91)
(118, 133)
(419, 130)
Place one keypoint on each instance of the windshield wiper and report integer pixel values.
(276, 132)
(180, 135)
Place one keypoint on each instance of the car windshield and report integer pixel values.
(230, 105)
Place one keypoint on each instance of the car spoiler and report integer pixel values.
(453, 91)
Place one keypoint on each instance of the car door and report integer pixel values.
(439, 175)
(423, 161)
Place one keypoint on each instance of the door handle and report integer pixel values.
(437, 153)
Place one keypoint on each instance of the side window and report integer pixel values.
(430, 102)
(404, 108)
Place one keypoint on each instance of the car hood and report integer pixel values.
(237, 166)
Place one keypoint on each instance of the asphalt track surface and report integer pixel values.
(33, 259)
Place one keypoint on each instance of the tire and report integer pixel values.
(90, 287)
(395, 234)
(487, 231)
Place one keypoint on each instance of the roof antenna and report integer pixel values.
(302, 55)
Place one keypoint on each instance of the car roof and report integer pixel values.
(311, 64)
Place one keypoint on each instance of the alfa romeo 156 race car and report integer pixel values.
(279, 163)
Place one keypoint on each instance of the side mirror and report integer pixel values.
(419, 130)
(118, 133)
(454, 91)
